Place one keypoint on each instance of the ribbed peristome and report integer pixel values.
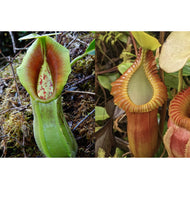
(156, 90)
(177, 137)
(45, 69)
(179, 109)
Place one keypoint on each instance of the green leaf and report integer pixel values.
(118, 153)
(100, 113)
(123, 37)
(91, 48)
(186, 71)
(97, 128)
(106, 80)
(30, 36)
(35, 35)
(123, 67)
(89, 51)
(171, 82)
(175, 51)
(145, 40)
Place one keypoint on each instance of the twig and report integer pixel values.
(60, 36)
(80, 92)
(23, 48)
(88, 147)
(11, 63)
(16, 84)
(72, 41)
(104, 54)
(84, 79)
(83, 120)
(77, 39)
(4, 67)
(113, 69)
(115, 123)
(13, 41)
(4, 57)
(15, 108)
(126, 154)
(122, 144)
(19, 49)
(134, 43)
(8, 58)
(3, 136)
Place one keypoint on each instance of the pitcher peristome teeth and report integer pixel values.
(120, 87)
(179, 109)
(177, 137)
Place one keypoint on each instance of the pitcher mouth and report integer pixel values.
(45, 69)
(140, 89)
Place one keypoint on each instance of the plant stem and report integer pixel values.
(83, 119)
(164, 107)
(180, 79)
(13, 41)
(78, 58)
(134, 43)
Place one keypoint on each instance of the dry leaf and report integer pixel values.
(175, 51)
(105, 139)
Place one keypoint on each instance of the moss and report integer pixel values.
(15, 120)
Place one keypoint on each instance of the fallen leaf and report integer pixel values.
(123, 67)
(105, 139)
(110, 107)
(113, 110)
(118, 112)
(106, 80)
